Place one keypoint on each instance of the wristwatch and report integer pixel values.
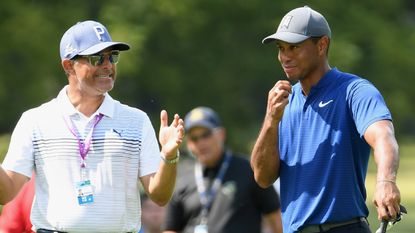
(170, 161)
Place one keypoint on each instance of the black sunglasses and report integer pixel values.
(195, 138)
(98, 59)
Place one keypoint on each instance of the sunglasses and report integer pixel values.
(98, 59)
(195, 138)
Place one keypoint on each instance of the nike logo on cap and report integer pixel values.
(321, 104)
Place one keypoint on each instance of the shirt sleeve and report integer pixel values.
(19, 157)
(367, 105)
(268, 199)
(150, 152)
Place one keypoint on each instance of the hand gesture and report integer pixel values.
(170, 136)
(277, 100)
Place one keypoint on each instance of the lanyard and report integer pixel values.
(207, 196)
(84, 145)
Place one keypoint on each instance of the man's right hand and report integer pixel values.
(277, 100)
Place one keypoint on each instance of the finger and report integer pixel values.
(163, 118)
(391, 212)
(282, 85)
(383, 213)
(281, 98)
(175, 121)
(180, 125)
(394, 209)
(180, 129)
(386, 213)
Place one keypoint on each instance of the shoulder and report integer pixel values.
(130, 115)
(352, 79)
(124, 109)
(44, 112)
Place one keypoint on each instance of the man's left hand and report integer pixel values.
(170, 136)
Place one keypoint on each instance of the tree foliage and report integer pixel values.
(196, 52)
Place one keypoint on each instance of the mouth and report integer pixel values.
(104, 76)
(289, 69)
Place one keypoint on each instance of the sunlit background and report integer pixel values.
(198, 52)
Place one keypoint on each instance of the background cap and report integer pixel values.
(202, 117)
(300, 24)
(86, 38)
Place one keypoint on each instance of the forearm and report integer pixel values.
(380, 136)
(386, 155)
(10, 184)
(265, 160)
(162, 184)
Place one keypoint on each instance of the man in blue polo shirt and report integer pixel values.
(317, 136)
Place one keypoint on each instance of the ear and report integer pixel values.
(222, 133)
(323, 45)
(68, 66)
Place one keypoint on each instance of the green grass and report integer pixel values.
(406, 177)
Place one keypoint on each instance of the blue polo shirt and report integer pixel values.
(323, 154)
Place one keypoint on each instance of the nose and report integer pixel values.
(106, 63)
(283, 56)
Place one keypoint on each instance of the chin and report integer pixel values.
(292, 78)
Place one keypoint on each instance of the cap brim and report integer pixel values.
(202, 124)
(101, 46)
(288, 37)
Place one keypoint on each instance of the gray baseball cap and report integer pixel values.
(300, 24)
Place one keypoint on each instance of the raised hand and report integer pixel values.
(277, 100)
(170, 136)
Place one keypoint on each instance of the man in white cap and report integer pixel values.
(89, 151)
(317, 135)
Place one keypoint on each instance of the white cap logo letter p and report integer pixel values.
(99, 31)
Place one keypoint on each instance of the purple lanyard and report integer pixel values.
(86, 145)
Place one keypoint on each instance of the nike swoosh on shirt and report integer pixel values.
(321, 104)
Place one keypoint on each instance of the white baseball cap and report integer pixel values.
(87, 38)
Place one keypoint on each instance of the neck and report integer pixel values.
(215, 162)
(84, 103)
(313, 78)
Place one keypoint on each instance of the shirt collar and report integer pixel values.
(326, 79)
(212, 171)
(107, 107)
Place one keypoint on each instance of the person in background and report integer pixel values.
(90, 152)
(218, 194)
(15, 215)
(152, 216)
(317, 135)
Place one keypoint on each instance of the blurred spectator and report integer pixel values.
(152, 216)
(15, 215)
(218, 194)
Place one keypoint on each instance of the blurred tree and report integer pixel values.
(198, 52)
